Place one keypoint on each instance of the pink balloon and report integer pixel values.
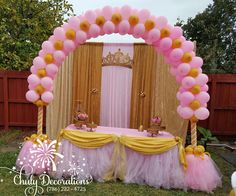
(153, 35)
(116, 29)
(51, 69)
(47, 46)
(107, 12)
(196, 62)
(202, 113)
(59, 56)
(139, 30)
(30, 87)
(161, 22)
(42, 53)
(125, 11)
(187, 46)
(178, 94)
(131, 30)
(182, 89)
(185, 112)
(174, 64)
(69, 46)
(33, 80)
(134, 12)
(205, 88)
(66, 26)
(165, 44)
(124, 27)
(109, 27)
(74, 22)
(176, 54)
(144, 14)
(203, 97)
(33, 69)
(201, 79)
(179, 78)
(81, 37)
(186, 98)
(188, 82)
(32, 96)
(47, 97)
(98, 12)
(166, 53)
(183, 69)
(59, 33)
(173, 71)
(192, 53)
(116, 9)
(39, 62)
(179, 108)
(90, 15)
(176, 32)
(94, 30)
(47, 83)
(52, 38)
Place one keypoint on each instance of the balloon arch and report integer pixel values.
(166, 39)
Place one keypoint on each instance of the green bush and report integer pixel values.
(24, 25)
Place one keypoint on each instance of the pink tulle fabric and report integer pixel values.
(202, 174)
(158, 170)
(162, 170)
(29, 162)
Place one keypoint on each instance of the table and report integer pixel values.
(158, 170)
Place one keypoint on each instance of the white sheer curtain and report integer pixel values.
(116, 88)
(115, 96)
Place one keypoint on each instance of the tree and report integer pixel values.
(214, 30)
(24, 25)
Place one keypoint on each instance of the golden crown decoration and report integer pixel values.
(117, 59)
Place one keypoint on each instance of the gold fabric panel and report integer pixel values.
(87, 79)
(58, 113)
(154, 92)
(144, 60)
(164, 101)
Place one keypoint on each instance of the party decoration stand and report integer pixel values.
(40, 120)
(168, 40)
(202, 173)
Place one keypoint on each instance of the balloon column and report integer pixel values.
(166, 39)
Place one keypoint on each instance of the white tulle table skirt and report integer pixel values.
(159, 170)
(163, 170)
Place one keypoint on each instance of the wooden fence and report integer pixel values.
(16, 112)
(222, 105)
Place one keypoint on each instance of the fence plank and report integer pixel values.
(5, 93)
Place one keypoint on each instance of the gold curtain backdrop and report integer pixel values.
(87, 79)
(58, 114)
(144, 61)
(153, 90)
(164, 101)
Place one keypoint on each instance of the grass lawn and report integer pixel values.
(7, 187)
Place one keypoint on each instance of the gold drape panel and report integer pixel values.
(143, 145)
(59, 110)
(154, 92)
(87, 78)
(144, 61)
(164, 101)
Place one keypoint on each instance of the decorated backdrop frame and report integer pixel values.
(166, 39)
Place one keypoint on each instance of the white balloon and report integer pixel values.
(233, 180)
